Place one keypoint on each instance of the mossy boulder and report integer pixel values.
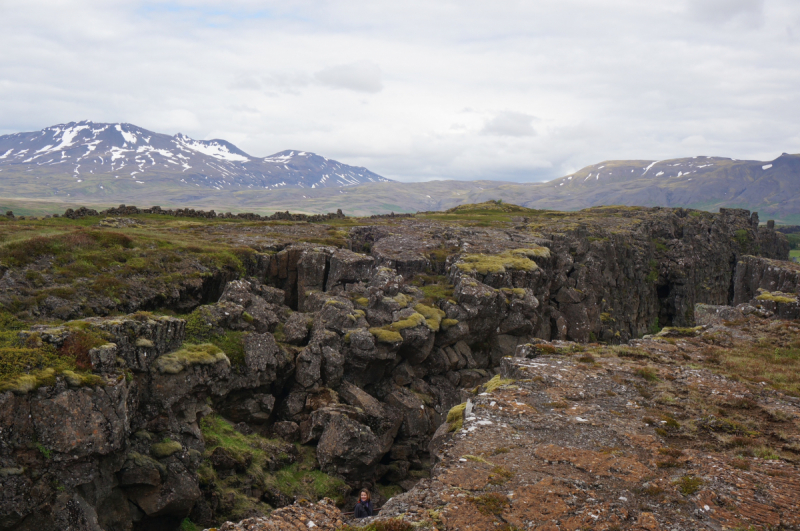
(189, 355)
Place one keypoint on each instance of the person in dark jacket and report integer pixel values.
(364, 505)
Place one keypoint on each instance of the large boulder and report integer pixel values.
(260, 312)
(348, 448)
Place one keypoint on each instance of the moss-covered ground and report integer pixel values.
(27, 363)
(80, 259)
(263, 470)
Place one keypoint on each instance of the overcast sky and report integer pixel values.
(418, 90)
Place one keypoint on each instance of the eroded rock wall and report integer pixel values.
(346, 351)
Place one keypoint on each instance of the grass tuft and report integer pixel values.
(455, 417)
(497, 382)
(205, 354)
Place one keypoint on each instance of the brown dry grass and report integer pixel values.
(774, 359)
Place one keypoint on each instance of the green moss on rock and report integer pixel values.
(386, 336)
(83, 379)
(496, 382)
(165, 449)
(403, 300)
(455, 417)
(515, 259)
(205, 354)
(447, 323)
(413, 320)
(433, 316)
(777, 296)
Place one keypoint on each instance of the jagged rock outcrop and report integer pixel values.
(361, 354)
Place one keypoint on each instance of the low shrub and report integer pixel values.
(688, 485)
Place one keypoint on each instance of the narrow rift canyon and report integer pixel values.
(487, 367)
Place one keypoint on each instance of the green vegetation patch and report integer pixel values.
(200, 330)
(55, 254)
(188, 525)
(412, 321)
(742, 237)
(775, 360)
(29, 363)
(447, 323)
(777, 296)
(165, 449)
(403, 300)
(268, 465)
(496, 383)
(515, 259)
(24, 252)
(652, 275)
(204, 354)
(455, 417)
(386, 336)
(492, 503)
(433, 316)
(394, 524)
(434, 287)
(688, 485)
(391, 333)
(648, 373)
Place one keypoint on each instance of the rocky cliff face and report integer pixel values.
(360, 352)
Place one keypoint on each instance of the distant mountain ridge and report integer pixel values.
(699, 182)
(104, 164)
(101, 159)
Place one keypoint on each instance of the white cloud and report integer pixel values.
(360, 77)
(510, 123)
(411, 90)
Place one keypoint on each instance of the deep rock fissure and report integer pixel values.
(343, 352)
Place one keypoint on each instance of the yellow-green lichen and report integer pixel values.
(433, 316)
(386, 336)
(336, 304)
(413, 320)
(447, 323)
(362, 301)
(21, 384)
(145, 461)
(517, 292)
(777, 296)
(403, 300)
(83, 380)
(165, 449)
(205, 354)
(516, 259)
(455, 417)
(496, 382)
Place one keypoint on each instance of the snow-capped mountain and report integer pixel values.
(102, 154)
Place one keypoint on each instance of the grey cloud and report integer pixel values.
(609, 80)
(510, 123)
(360, 77)
(750, 12)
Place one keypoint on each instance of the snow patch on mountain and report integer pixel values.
(104, 149)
